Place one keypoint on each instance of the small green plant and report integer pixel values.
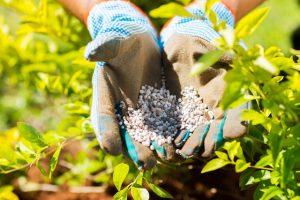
(136, 187)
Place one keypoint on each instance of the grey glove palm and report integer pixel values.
(126, 48)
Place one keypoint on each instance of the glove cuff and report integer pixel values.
(89, 5)
(117, 16)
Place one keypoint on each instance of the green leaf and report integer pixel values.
(206, 61)
(120, 173)
(275, 141)
(31, 134)
(250, 177)
(222, 155)
(286, 167)
(212, 16)
(139, 193)
(264, 161)
(139, 178)
(148, 175)
(6, 193)
(250, 22)
(263, 63)
(232, 93)
(160, 191)
(233, 149)
(214, 164)
(121, 195)
(42, 170)
(270, 192)
(209, 4)
(254, 116)
(241, 165)
(170, 10)
(54, 161)
(240, 153)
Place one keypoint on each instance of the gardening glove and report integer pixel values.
(185, 40)
(126, 47)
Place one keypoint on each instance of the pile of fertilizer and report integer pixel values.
(159, 116)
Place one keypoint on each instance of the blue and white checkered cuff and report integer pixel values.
(190, 27)
(118, 17)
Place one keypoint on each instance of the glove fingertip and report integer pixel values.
(161, 151)
(182, 138)
(107, 132)
(101, 50)
(112, 146)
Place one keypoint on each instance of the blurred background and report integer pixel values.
(45, 81)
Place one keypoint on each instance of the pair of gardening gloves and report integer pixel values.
(129, 54)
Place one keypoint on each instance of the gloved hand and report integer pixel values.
(126, 47)
(185, 40)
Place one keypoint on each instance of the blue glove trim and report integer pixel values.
(159, 149)
(202, 137)
(129, 146)
(186, 136)
(219, 135)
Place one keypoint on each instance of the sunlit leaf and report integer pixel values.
(221, 155)
(254, 116)
(264, 161)
(263, 63)
(170, 10)
(139, 193)
(122, 194)
(214, 164)
(6, 193)
(250, 22)
(270, 192)
(209, 4)
(42, 170)
(119, 175)
(160, 191)
(54, 161)
(250, 177)
(241, 165)
(31, 134)
(234, 150)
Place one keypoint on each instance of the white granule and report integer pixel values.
(159, 116)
